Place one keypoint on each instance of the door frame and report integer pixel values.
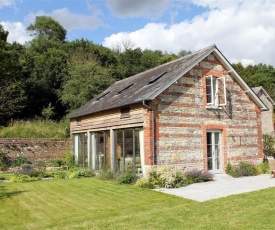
(220, 152)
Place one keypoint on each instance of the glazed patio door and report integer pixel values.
(214, 155)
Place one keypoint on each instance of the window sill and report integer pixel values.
(125, 116)
(213, 108)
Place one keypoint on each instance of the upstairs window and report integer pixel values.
(78, 122)
(215, 91)
(125, 112)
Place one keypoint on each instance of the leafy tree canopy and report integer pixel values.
(258, 75)
(86, 81)
(12, 94)
(47, 28)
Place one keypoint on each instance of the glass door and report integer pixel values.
(214, 155)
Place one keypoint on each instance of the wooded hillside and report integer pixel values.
(50, 77)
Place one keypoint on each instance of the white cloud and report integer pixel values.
(6, 3)
(69, 20)
(219, 4)
(243, 30)
(17, 32)
(140, 8)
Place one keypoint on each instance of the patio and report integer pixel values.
(223, 185)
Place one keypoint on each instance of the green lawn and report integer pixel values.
(96, 204)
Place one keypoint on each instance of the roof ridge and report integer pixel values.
(167, 63)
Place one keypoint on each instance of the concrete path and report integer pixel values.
(222, 186)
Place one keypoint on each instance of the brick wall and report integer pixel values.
(182, 120)
(35, 149)
(147, 130)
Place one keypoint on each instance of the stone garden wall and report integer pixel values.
(35, 149)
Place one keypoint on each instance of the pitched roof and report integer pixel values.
(149, 84)
(258, 89)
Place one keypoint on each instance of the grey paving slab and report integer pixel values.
(223, 185)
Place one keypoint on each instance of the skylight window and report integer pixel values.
(103, 95)
(155, 78)
(127, 87)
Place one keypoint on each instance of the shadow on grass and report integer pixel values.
(4, 194)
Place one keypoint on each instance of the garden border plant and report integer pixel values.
(243, 168)
(169, 177)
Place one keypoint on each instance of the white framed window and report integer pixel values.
(215, 91)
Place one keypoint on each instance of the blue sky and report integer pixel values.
(243, 30)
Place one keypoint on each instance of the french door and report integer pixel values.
(214, 154)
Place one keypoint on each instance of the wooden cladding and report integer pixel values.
(116, 118)
(125, 112)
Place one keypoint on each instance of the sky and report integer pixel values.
(243, 30)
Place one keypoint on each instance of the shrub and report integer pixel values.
(59, 174)
(154, 177)
(242, 169)
(197, 176)
(263, 168)
(39, 164)
(23, 178)
(247, 169)
(143, 183)
(269, 145)
(19, 161)
(4, 167)
(106, 174)
(69, 159)
(127, 178)
(165, 176)
(82, 173)
(230, 169)
(28, 170)
(5, 161)
(57, 162)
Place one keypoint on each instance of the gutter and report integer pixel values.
(153, 129)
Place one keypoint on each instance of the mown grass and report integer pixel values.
(36, 129)
(6, 176)
(96, 204)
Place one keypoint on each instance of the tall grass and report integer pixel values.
(36, 129)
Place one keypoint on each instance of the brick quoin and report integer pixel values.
(148, 158)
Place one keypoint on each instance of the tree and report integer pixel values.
(167, 58)
(129, 63)
(86, 50)
(258, 75)
(46, 67)
(47, 28)
(183, 53)
(86, 81)
(12, 94)
(45, 81)
(149, 59)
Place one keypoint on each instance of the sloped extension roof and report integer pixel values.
(149, 84)
(260, 88)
